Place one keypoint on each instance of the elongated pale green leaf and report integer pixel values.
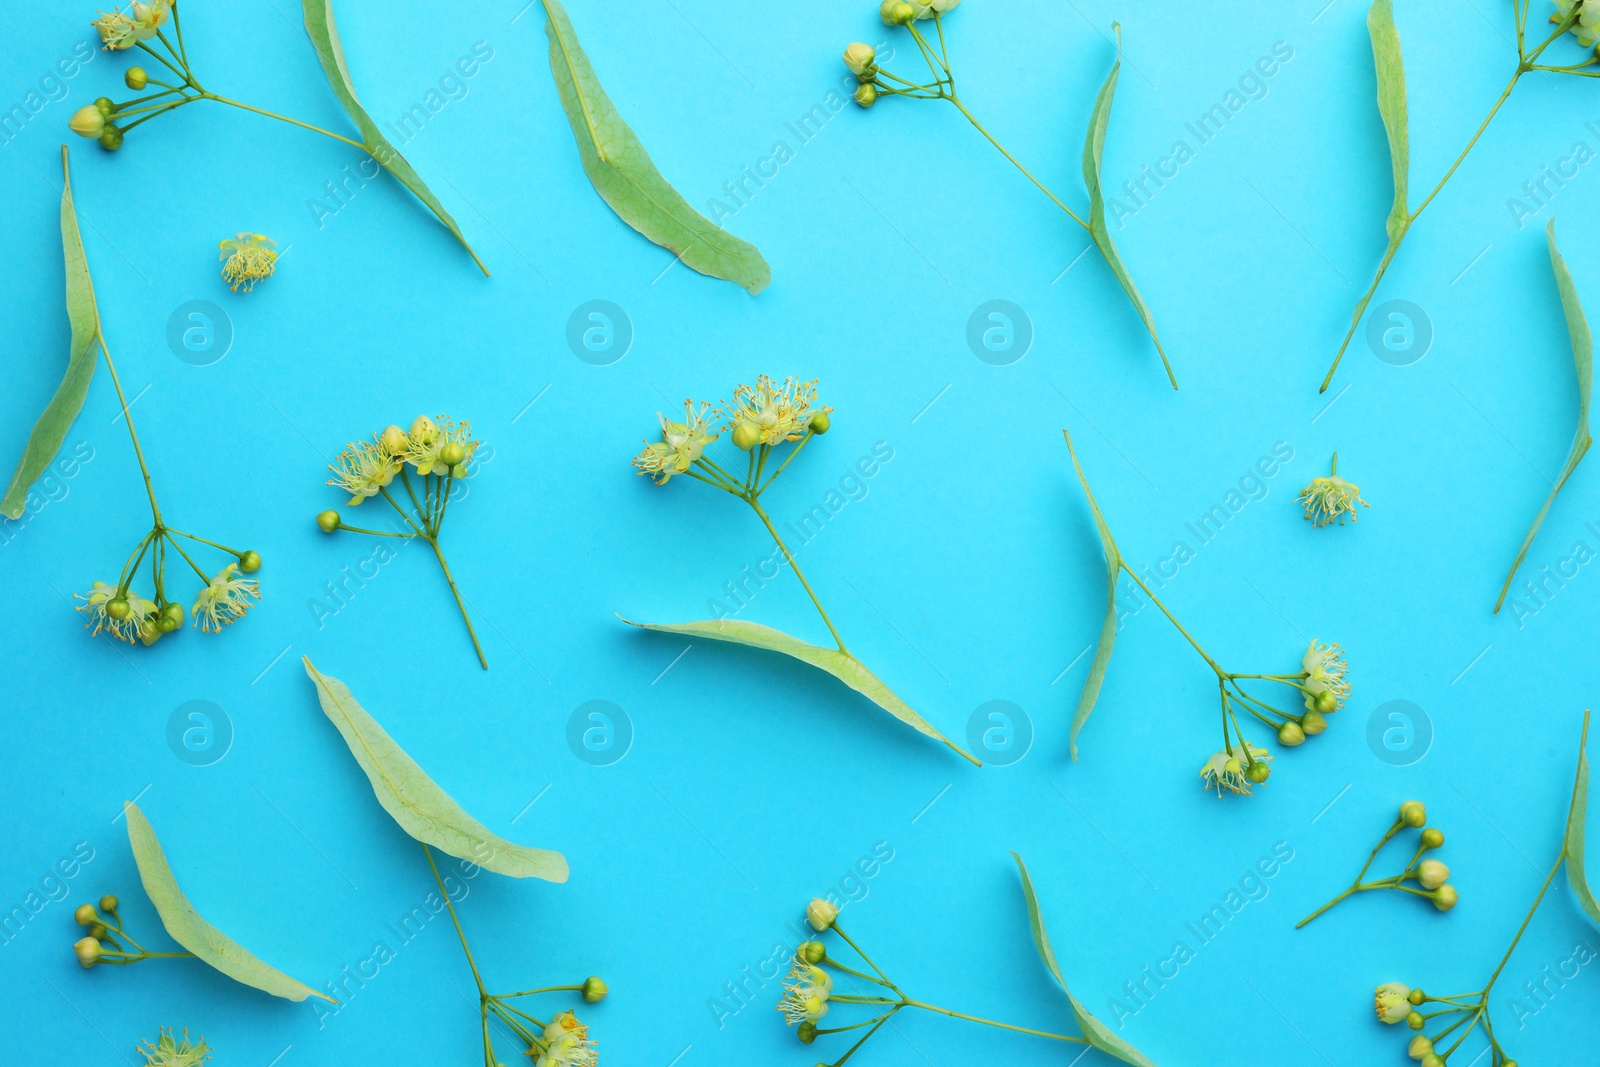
(189, 929)
(416, 802)
(1577, 819)
(51, 429)
(841, 665)
(1392, 106)
(1099, 1035)
(1108, 629)
(620, 168)
(1093, 149)
(325, 38)
(1583, 357)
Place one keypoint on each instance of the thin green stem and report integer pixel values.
(546, 989)
(203, 541)
(460, 603)
(285, 118)
(460, 933)
(991, 1022)
(956, 100)
(133, 434)
(1171, 618)
(787, 460)
(204, 577)
(773, 530)
(847, 940)
(165, 63)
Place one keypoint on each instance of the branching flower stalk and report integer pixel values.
(561, 1041)
(808, 993)
(146, 29)
(1459, 1015)
(1572, 15)
(106, 942)
(1431, 875)
(1320, 685)
(875, 82)
(440, 453)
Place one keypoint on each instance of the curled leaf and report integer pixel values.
(1093, 151)
(1577, 818)
(189, 929)
(325, 39)
(841, 665)
(1392, 106)
(623, 174)
(1108, 629)
(416, 802)
(1583, 357)
(51, 428)
(1096, 1032)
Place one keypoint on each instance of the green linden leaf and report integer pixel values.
(1108, 629)
(325, 39)
(620, 168)
(1098, 1034)
(1093, 151)
(841, 665)
(189, 929)
(1577, 874)
(1583, 357)
(51, 429)
(1392, 106)
(416, 802)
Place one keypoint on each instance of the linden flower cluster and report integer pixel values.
(759, 417)
(862, 58)
(1431, 876)
(144, 21)
(125, 615)
(247, 259)
(170, 1052)
(108, 943)
(1330, 499)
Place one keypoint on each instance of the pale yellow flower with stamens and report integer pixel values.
(778, 413)
(130, 626)
(119, 31)
(250, 257)
(1330, 499)
(1226, 770)
(168, 1052)
(224, 600)
(363, 469)
(1392, 1002)
(681, 444)
(805, 994)
(567, 1044)
(428, 448)
(1325, 671)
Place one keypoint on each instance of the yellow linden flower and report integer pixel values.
(364, 468)
(1325, 671)
(777, 413)
(168, 1052)
(1225, 771)
(1330, 499)
(119, 31)
(805, 994)
(429, 446)
(681, 444)
(224, 600)
(134, 623)
(250, 257)
(1391, 1002)
(567, 1044)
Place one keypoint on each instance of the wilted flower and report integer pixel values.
(1228, 771)
(1390, 1001)
(567, 1044)
(681, 444)
(1330, 498)
(225, 599)
(805, 994)
(97, 605)
(364, 468)
(1325, 671)
(778, 412)
(168, 1052)
(250, 258)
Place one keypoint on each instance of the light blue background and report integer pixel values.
(968, 573)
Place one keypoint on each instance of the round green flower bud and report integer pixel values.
(1413, 813)
(866, 96)
(813, 952)
(1420, 1046)
(87, 121)
(88, 952)
(135, 78)
(858, 57)
(820, 422)
(1503, 1063)
(105, 105)
(1313, 723)
(1416, 996)
(1415, 1020)
(166, 624)
(1431, 874)
(1433, 1059)
(807, 1032)
(1326, 702)
(328, 520)
(821, 913)
(110, 138)
(1445, 897)
(451, 453)
(594, 990)
(1258, 771)
(85, 915)
(172, 611)
(250, 562)
(1432, 837)
(1290, 734)
(97, 931)
(746, 436)
(118, 608)
(897, 13)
